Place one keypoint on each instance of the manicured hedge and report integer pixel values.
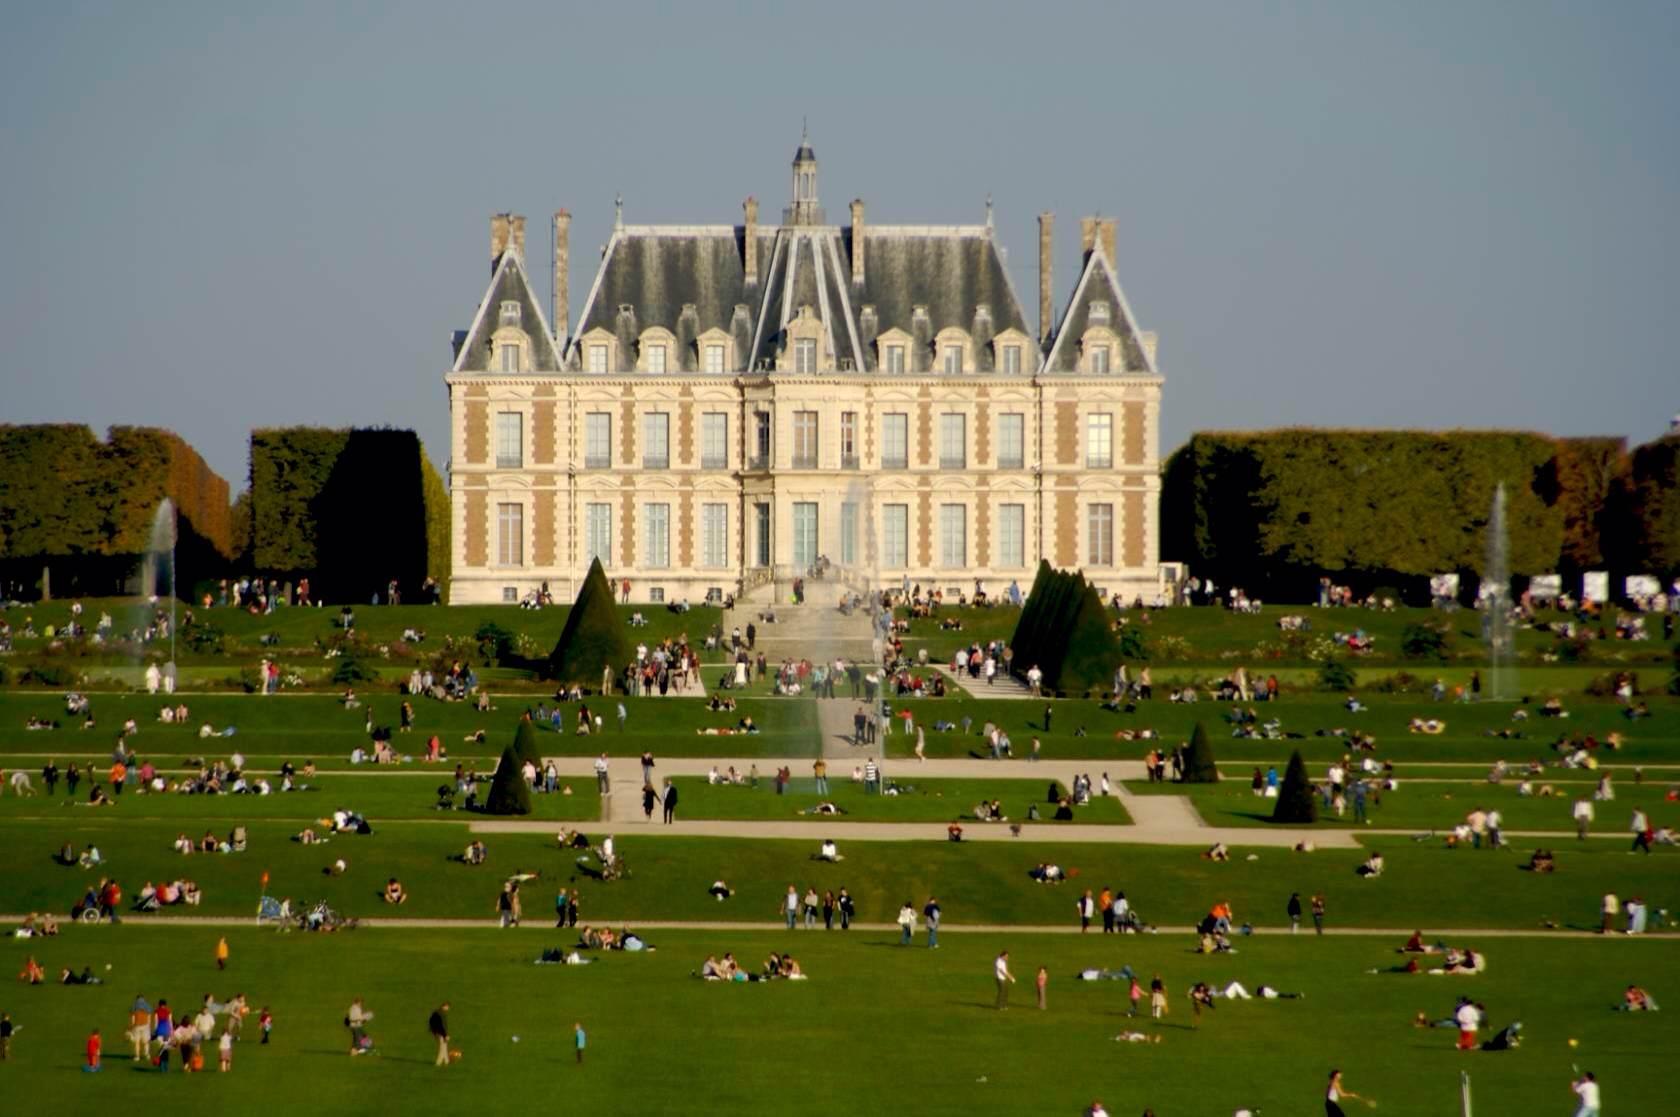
(593, 638)
(1064, 631)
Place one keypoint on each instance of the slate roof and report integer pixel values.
(1097, 283)
(508, 283)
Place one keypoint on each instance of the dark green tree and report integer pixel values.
(593, 638)
(1335, 675)
(1296, 803)
(525, 742)
(1199, 766)
(509, 793)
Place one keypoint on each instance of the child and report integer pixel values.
(1136, 994)
(266, 1022)
(222, 953)
(1041, 981)
(225, 1047)
(93, 1046)
(581, 1040)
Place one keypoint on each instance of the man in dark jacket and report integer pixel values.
(439, 1025)
(670, 802)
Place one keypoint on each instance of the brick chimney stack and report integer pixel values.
(857, 242)
(1046, 230)
(1087, 237)
(499, 224)
(1107, 236)
(562, 277)
(749, 249)
(516, 233)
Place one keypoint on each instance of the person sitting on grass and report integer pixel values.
(475, 853)
(394, 893)
(1636, 999)
(1464, 962)
(1047, 873)
(1216, 852)
(1064, 810)
(720, 891)
(1373, 866)
(96, 797)
(829, 851)
(147, 900)
(183, 844)
(32, 973)
(1416, 945)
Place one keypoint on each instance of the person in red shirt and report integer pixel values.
(93, 1046)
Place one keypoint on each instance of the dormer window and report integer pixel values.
(511, 313)
(895, 358)
(805, 355)
(597, 358)
(507, 356)
(1099, 359)
(952, 358)
(1099, 313)
(714, 358)
(656, 358)
(1012, 359)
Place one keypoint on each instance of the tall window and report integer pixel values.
(510, 440)
(1099, 440)
(597, 358)
(714, 440)
(510, 535)
(656, 358)
(953, 535)
(1099, 359)
(656, 535)
(953, 440)
(805, 440)
(597, 534)
(714, 358)
(1012, 438)
(714, 535)
(805, 355)
(895, 440)
(804, 534)
(895, 358)
(761, 438)
(597, 440)
(1099, 522)
(848, 533)
(1012, 535)
(1012, 359)
(848, 440)
(895, 536)
(761, 523)
(509, 354)
(952, 358)
(656, 440)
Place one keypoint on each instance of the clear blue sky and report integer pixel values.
(220, 216)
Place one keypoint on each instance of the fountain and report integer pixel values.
(1496, 591)
(160, 548)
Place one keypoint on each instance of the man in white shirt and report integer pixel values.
(602, 783)
(1000, 969)
(1583, 817)
(871, 777)
(1469, 1018)
(1586, 1088)
(1035, 679)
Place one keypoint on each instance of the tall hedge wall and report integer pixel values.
(1273, 510)
(1653, 497)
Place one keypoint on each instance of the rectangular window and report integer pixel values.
(510, 535)
(510, 594)
(1012, 359)
(656, 358)
(1099, 521)
(848, 533)
(510, 440)
(761, 440)
(953, 358)
(714, 535)
(510, 357)
(804, 440)
(1012, 438)
(656, 536)
(597, 534)
(804, 535)
(597, 440)
(714, 358)
(1099, 440)
(597, 358)
(895, 358)
(1099, 359)
(848, 440)
(761, 517)
(895, 536)
(1012, 535)
(656, 440)
(953, 535)
(953, 440)
(895, 440)
(805, 355)
(714, 440)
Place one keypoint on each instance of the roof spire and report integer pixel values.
(988, 209)
(618, 211)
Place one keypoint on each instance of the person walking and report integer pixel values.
(647, 767)
(1642, 832)
(670, 802)
(222, 953)
(1318, 913)
(1039, 984)
(1086, 907)
(93, 1048)
(1000, 971)
(602, 783)
(1047, 712)
(847, 909)
(906, 923)
(1294, 910)
(580, 1039)
(1157, 997)
(1610, 907)
(439, 1027)
(1334, 1094)
(1583, 815)
(650, 799)
(828, 909)
(790, 907)
(6, 1030)
(931, 913)
(140, 1028)
(819, 770)
(1586, 1088)
(357, 1021)
(1134, 994)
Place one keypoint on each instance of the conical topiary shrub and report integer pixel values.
(593, 638)
(1296, 802)
(525, 742)
(509, 793)
(1198, 758)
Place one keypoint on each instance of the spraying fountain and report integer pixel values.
(1496, 591)
(160, 549)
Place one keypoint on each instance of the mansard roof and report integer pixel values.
(1098, 283)
(508, 283)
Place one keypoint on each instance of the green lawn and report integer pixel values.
(640, 1012)
(916, 801)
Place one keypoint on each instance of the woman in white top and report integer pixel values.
(1335, 1093)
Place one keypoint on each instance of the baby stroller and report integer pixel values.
(611, 868)
(321, 917)
(445, 798)
(1129, 922)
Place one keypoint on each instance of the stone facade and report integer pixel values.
(735, 401)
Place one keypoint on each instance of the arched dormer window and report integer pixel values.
(953, 351)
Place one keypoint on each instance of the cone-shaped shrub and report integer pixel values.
(593, 637)
(1296, 802)
(525, 742)
(1198, 758)
(509, 793)
(1064, 631)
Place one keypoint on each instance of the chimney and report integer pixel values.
(921, 330)
(1046, 229)
(1087, 237)
(562, 277)
(857, 242)
(516, 233)
(688, 334)
(498, 237)
(749, 247)
(1105, 233)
